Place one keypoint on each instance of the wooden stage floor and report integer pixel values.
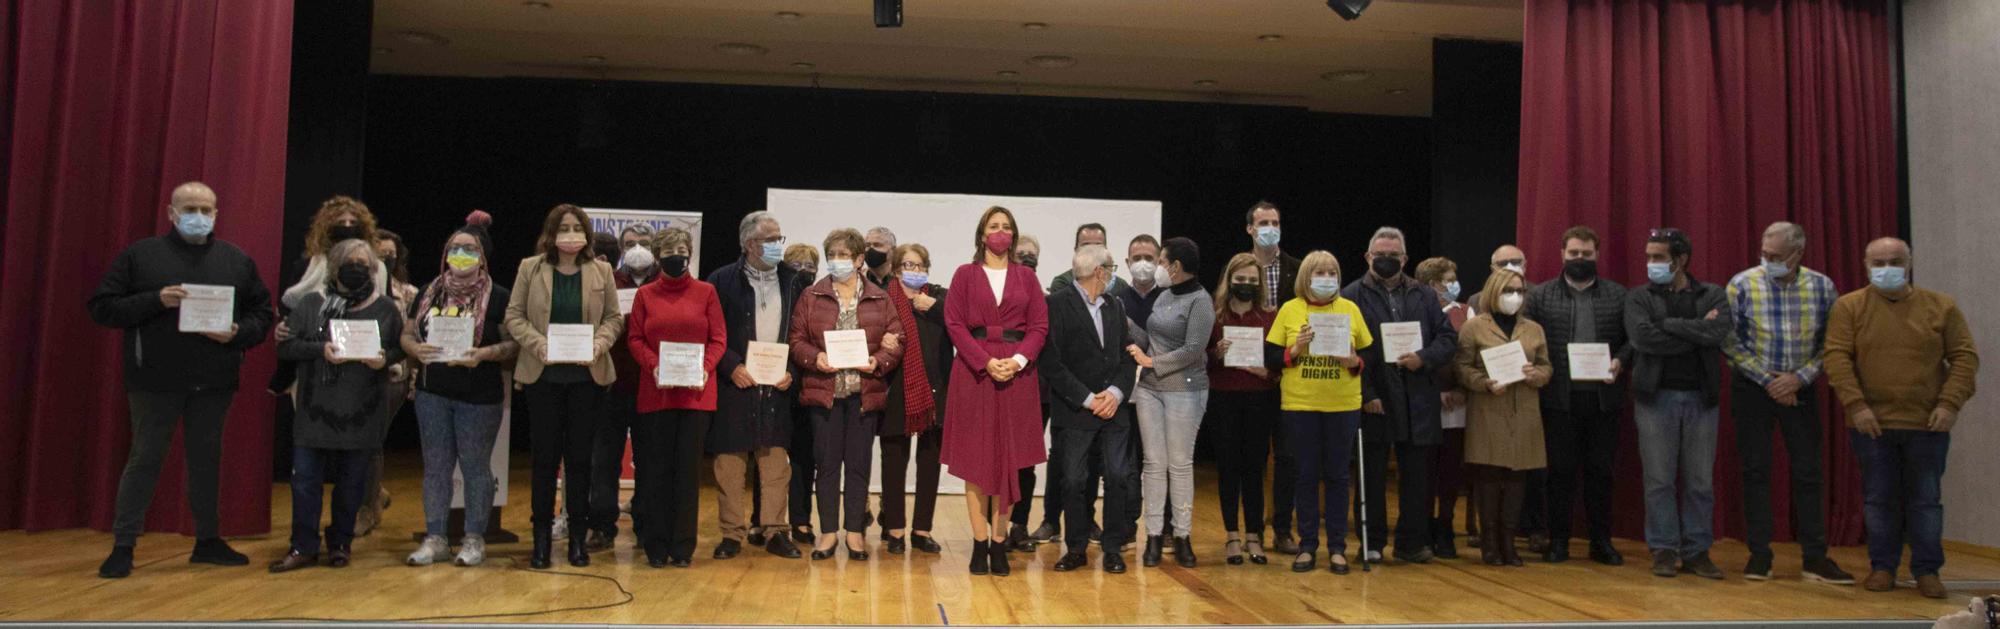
(52, 576)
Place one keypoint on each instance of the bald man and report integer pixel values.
(1507, 257)
(1902, 361)
(175, 378)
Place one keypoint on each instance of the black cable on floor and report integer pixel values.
(513, 564)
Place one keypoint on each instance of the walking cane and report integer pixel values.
(1361, 465)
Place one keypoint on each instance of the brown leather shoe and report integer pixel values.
(1930, 586)
(293, 561)
(1880, 581)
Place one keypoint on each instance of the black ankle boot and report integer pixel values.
(1151, 558)
(996, 560)
(579, 551)
(539, 560)
(979, 565)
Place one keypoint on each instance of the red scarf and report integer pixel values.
(917, 400)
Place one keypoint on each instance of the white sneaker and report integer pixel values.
(1374, 556)
(471, 551)
(433, 549)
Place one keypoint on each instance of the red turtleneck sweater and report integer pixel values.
(676, 310)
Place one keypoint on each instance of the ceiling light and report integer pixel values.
(422, 38)
(1346, 76)
(1051, 61)
(1396, 91)
(741, 49)
(593, 59)
(1348, 9)
(1008, 73)
(1034, 26)
(536, 4)
(1205, 83)
(383, 50)
(802, 65)
(787, 15)
(1271, 38)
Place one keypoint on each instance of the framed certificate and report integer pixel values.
(1504, 363)
(452, 336)
(356, 339)
(1401, 338)
(847, 349)
(208, 308)
(572, 343)
(1590, 362)
(1246, 346)
(681, 365)
(1332, 335)
(766, 361)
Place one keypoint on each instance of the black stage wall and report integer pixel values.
(1476, 139)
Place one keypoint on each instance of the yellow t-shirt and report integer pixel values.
(1318, 383)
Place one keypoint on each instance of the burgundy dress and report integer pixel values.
(996, 427)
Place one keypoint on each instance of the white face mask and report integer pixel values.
(638, 258)
(1510, 303)
(1144, 272)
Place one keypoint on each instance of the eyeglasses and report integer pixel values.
(915, 266)
(774, 240)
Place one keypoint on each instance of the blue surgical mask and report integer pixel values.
(1324, 287)
(1776, 268)
(1267, 236)
(194, 224)
(916, 279)
(1451, 291)
(773, 253)
(840, 269)
(1659, 272)
(1889, 278)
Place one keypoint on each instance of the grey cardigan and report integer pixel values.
(1177, 339)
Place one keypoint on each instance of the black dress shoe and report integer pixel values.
(1046, 533)
(217, 552)
(579, 552)
(1603, 552)
(781, 546)
(600, 540)
(1445, 548)
(1114, 562)
(895, 545)
(925, 543)
(757, 538)
(1558, 552)
(293, 561)
(1071, 561)
(1151, 558)
(728, 549)
(822, 555)
(656, 562)
(1421, 555)
(539, 557)
(340, 557)
(1184, 552)
(979, 564)
(1018, 539)
(857, 555)
(118, 565)
(802, 534)
(996, 561)
(1305, 562)
(681, 562)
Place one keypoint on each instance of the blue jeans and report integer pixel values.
(1323, 445)
(1677, 439)
(457, 435)
(1902, 476)
(312, 468)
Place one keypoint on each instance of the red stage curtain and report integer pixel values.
(112, 104)
(1718, 118)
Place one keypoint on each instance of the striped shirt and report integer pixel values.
(1780, 323)
(1272, 272)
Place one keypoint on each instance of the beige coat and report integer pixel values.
(1503, 430)
(528, 316)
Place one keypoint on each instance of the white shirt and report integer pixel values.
(997, 278)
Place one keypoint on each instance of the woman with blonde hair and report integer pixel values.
(1503, 426)
(1320, 397)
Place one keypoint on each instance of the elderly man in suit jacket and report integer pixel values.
(1088, 375)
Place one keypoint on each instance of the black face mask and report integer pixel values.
(1580, 270)
(1243, 292)
(874, 258)
(1387, 267)
(1029, 260)
(355, 280)
(345, 232)
(674, 266)
(389, 263)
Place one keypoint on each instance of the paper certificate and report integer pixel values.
(766, 361)
(452, 336)
(208, 308)
(681, 365)
(1246, 346)
(1331, 335)
(847, 349)
(356, 338)
(1590, 362)
(1504, 363)
(1401, 338)
(572, 343)
(625, 297)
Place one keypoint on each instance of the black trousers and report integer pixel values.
(1755, 414)
(896, 463)
(1076, 487)
(155, 417)
(1413, 494)
(1582, 440)
(843, 447)
(562, 427)
(803, 480)
(666, 455)
(607, 461)
(1244, 420)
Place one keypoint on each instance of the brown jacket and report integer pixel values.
(1503, 430)
(528, 316)
(1901, 359)
(817, 312)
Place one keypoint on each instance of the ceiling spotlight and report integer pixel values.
(1034, 26)
(787, 15)
(1346, 76)
(1396, 91)
(537, 4)
(801, 65)
(593, 59)
(1051, 61)
(1205, 83)
(422, 38)
(741, 49)
(1348, 9)
(1271, 38)
(1008, 74)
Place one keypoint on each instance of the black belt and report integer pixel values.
(1010, 336)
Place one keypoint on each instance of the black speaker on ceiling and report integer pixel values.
(1348, 9)
(889, 13)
